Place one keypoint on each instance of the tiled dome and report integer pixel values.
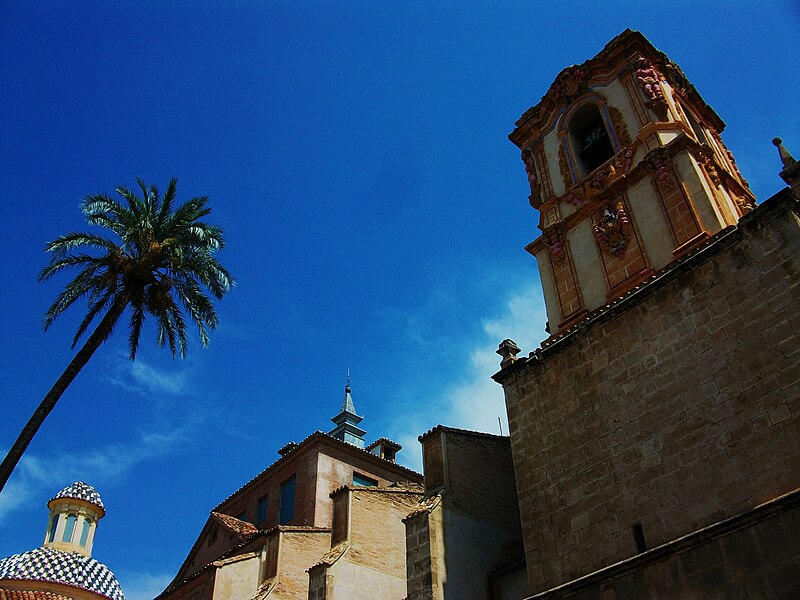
(81, 491)
(58, 566)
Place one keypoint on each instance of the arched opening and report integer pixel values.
(589, 139)
(53, 527)
(69, 528)
(87, 525)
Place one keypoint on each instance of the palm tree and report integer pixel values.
(158, 264)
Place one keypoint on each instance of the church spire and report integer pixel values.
(347, 420)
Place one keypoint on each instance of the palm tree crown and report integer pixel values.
(159, 262)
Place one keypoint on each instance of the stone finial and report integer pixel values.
(791, 168)
(508, 349)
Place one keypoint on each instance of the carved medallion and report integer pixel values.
(612, 229)
(569, 84)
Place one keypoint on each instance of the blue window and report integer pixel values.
(85, 533)
(359, 479)
(263, 507)
(69, 528)
(53, 529)
(287, 500)
(242, 516)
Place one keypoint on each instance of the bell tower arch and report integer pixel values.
(629, 173)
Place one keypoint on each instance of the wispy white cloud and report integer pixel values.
(144, 379)
(473, 400)
(36, 477)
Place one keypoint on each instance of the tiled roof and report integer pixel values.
(59, 566)
(385, 442)
(237, 526)
(457, 430)
(81, 491)
(330, 439)
(399, 487)
(30, 595)
(261, 532)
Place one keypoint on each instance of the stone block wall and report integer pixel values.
(469, 523)
(674, 409)
(298, 549)
(755, 555)
(369, 559)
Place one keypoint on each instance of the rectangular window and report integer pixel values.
(263, 507)
(638, 538)
(287, 500)
(242, 516)
(85, 533)
(359, 479)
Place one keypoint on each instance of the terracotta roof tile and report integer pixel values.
(30, 595)
(241, 529)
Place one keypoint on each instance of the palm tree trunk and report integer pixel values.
(83, 355)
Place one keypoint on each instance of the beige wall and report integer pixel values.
(456, 539)
(298, 550)
(237, 578)
(369, 560)
(676, 410)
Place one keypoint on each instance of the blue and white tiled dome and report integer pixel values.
(58, 566)
(81, 491)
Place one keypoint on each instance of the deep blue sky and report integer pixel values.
(356, 156)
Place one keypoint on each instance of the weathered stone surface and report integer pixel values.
(675, 409)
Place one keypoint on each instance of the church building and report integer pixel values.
(63, 567)
(654, 447)
(303, 512)
(656, 432)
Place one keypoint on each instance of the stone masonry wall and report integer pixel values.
(751, 557)
(675, 409)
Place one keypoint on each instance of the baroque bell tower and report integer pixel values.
(628, 172)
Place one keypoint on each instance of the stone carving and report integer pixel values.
(570, 83)
(660, 164)
(508, 351)
(553, 239)
(533, 180)
(612, 229)
(709, 166)
(563, 165)
(744, 203)
(675, 76)
(601, 178)
(619, 126)
(623, 162)
(650, 81)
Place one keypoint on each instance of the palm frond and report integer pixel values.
(137, 320)
(163, 264)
